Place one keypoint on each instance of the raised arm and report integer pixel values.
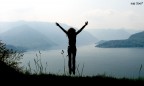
(86, 23)
(61, 28)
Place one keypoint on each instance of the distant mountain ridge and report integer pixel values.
(40, 35)
(110, 34)
(135, 40)
(26, 37)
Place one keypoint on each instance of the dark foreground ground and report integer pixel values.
(11, 76)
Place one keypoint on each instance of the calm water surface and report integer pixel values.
(90, 60)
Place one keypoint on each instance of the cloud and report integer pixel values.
(99, 13)
(111, 18)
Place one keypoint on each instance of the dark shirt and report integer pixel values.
(72, 39)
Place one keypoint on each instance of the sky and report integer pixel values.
(99, 13)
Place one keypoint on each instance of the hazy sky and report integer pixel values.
(99, 13)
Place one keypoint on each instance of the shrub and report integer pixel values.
(10, 57)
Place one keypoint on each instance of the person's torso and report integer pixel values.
(72, 39)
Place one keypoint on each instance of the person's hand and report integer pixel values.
(57, 24)
(86, 23)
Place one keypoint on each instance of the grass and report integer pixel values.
(9, 74)
(40, 75)
(41, 71)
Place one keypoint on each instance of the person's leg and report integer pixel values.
(69, 60)
(74, 60)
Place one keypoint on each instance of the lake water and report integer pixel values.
(90, 60)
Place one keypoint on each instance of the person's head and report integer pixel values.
(71, 31)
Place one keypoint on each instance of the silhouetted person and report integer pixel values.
(71, 33)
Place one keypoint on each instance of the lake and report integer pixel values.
(90, 60)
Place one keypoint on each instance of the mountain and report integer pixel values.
(110, 34)
(45, 32)
(58, 36)
(135, 40)
(26, 37)
(18, 49)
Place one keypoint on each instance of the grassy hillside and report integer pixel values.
(9, 74)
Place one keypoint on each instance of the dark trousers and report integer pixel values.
(71, 61)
